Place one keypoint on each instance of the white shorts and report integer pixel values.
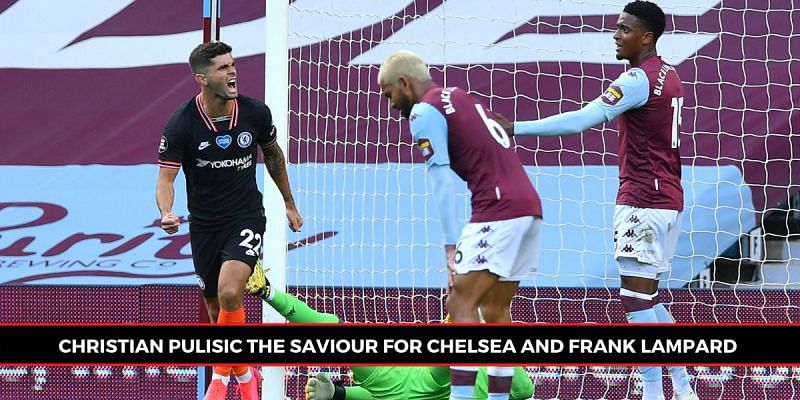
(507, 248)
(648, 235)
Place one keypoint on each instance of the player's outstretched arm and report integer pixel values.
(290, 307)
(630, 90)
(562, 124)
(276, 166)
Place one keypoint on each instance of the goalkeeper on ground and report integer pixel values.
(378, 383)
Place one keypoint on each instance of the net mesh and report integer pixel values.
(360, 181)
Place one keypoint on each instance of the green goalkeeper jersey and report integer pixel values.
(424, 383)
(395, 383)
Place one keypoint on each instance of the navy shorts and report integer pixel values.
(240, 240)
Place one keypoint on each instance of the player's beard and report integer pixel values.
(226, 93)
(405, 106)
(406, 111)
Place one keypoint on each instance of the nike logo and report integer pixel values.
(203, 145)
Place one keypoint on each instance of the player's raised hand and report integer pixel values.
(295, 220)
(319, 388)
(507, 125)
(170, 223)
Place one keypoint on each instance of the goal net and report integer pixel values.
(371, 248)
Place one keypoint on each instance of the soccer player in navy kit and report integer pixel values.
(215, 138)
(647, 101)
(498, 247)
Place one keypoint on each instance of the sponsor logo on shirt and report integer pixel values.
(240, 163)
(426, 148)
(612, 95)
(203, 145)
(224, 141)
(162, 147)
(244, 139)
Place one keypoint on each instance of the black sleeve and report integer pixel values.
(170, 148)
(268, 134)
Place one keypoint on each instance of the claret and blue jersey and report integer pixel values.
(453, 128)
(647, 101)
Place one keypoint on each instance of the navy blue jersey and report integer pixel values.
(218, 156)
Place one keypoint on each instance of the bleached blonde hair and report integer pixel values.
(403, 63)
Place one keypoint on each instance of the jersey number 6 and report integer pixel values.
(495, 129)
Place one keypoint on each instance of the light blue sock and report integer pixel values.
(653, 385)
(681, 383)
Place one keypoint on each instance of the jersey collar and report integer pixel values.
(210, 124)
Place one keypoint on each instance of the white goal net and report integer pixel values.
(371, 248)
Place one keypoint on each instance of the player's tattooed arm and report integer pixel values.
(276, 166)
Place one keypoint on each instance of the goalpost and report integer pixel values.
(370, 250)
(211, 28)
(276, 95)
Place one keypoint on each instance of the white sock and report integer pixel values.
(225, 379)
(244, 378)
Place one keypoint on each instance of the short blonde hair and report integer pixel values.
(403, 63)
